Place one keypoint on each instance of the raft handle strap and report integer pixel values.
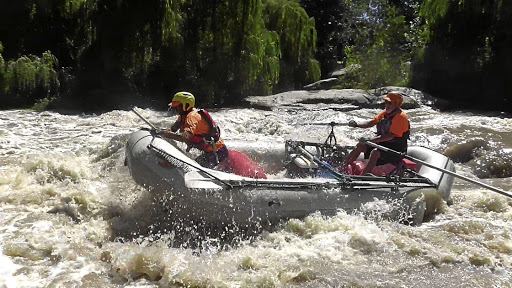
(167, 156)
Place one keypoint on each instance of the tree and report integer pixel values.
(464, 58)
(374, 35)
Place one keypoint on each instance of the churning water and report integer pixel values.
(71, 215)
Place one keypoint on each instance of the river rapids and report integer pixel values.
(71, 215)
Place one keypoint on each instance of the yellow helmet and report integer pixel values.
(185, 98)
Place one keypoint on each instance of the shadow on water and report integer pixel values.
(151, 218)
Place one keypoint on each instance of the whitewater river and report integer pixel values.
(71, 215)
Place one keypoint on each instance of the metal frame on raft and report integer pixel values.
(394, 179)
(332, 137)
(349, 182)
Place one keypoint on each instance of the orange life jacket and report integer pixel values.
(203, 141)
(385, 123)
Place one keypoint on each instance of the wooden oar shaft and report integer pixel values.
(143, 119)
(502, 192)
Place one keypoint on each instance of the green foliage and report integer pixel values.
(226, 51)
(466, 56)
(383, 54)
(432, 10)
(229, 49)
(297, 38)
(221, 50)
(43, 104)
(114, 52)
(233, 47)
(333, 33)
(28, 79)
(3, 80)
(295, 29)
(260, 62)
(145, 29)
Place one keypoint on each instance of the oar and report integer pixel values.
(328, 123)
(144, 119)
(502, 192)
(324, 164)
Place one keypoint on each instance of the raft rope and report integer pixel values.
(179, 163)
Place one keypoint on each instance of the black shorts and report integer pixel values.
(388, 157)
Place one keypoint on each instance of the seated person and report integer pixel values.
(392, 132)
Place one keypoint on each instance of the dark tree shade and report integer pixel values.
(465, 58)
(119, 53)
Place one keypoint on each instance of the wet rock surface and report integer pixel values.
(341, 99)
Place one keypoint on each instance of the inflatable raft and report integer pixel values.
(200, 194)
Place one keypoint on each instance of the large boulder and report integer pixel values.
(336, 99)
(412, 98)
(345, 99)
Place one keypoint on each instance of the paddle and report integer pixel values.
(144, 119)
(328, 123)
(324, 164)
(502, 192)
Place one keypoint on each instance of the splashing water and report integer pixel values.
(72, 216)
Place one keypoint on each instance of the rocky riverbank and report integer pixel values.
(343, 99)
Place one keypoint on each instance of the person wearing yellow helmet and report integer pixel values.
(196, 128)
(393, 130)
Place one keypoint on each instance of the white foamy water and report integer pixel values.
(71, 216)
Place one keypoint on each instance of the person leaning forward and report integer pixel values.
(393, 131)
(196, 128)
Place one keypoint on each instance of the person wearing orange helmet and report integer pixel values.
(393, 130)
(196, 128)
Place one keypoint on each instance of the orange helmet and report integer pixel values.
(395, 98)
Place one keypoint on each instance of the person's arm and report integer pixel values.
(368, 124)
(383, 138)
(175, 136)
(176, 126)
(172, 133)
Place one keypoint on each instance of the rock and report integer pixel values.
(413, 98)
(344, 71)
(464, 152)
(343, 99)
(323, 84)
(311, 99)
